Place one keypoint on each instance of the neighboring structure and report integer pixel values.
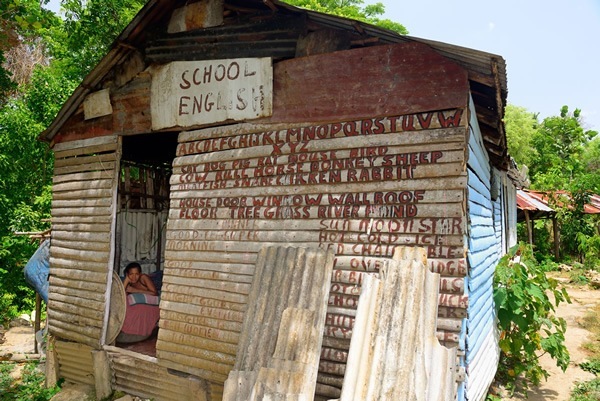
(534, 205)
(215, 128)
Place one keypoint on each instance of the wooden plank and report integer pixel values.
(80, 288)
(181, 363)
(220, 353)
(64, 315)
(193, 295)
(85, 176)
(73, 274)
(190, 283)
(200, 189)
(213, 272)
(81, 194)
(85, 236)
(83, 211)
(85, 160)
(78, 227)
(100, 166)
(196, 320)
(200, 332)
(83, 307)
(68, 334)
(83, 245)
(222, 150)
(83, 185)
(93, 295)
(91, 256)
(88, 150)
(85, 143)
(180, 229)
(76, 264)
(81, 221)
(81, 203)
(303, 211)
(177, 306)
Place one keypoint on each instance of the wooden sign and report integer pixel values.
(190, 93)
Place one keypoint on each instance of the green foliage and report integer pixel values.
(352, 9)
(559, 143)
(30, 387)
(72, 47)
(526, 320)
(588, 391)
(592, 366)
(521, 126)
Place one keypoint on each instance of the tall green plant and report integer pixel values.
(525, 300)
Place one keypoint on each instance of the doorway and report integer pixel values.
(142, 213)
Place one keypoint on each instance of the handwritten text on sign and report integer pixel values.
(188, 93)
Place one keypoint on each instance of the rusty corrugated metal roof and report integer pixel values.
(487, 72)
(538, 202)
(533, 201)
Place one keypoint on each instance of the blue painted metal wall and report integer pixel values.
(485, 242)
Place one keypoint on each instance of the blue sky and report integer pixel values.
(551, 48)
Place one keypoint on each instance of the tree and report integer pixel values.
(559, 143)
(521, 125)
(69, 48)
(352, 9)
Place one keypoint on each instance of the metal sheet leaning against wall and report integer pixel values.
(82, 218)
(358, 187)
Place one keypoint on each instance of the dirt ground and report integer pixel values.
(559, 384)
(20, 340)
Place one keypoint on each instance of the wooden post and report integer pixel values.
(102, 374)
(556, 238)
(52, 365)
(36, 324)
(528, 223)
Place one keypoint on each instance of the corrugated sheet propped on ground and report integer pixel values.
(75, 362)
(394, 354)
(281, 337)
(140, 375)
(82, 218)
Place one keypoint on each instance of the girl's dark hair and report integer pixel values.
(133, 265)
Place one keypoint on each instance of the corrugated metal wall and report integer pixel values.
(359, 194)
(485, 242)
(75, 362)
(80, 254)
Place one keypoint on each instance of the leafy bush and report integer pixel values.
(588, 391)
(526, 319)
(30, 387)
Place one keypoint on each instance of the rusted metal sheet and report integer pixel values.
(539, 202)
(82, 210)
(75, 362)
(408, 75)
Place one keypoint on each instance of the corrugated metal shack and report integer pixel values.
(215, 128)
